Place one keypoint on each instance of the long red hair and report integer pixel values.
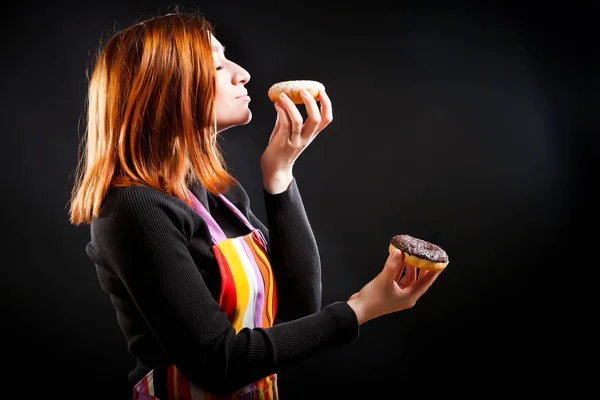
(151, 114)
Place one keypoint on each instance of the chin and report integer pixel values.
(247, 118)
(242, 120)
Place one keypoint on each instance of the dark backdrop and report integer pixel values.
(469, 126)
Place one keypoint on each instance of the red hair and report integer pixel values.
(151, 114)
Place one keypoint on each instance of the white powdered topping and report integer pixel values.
(296, 85)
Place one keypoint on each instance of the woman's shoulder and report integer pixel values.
(126, 205)
(139, 196)
(135, 218)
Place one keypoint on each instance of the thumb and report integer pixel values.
(393, 264)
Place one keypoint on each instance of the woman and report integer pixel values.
(196, 279)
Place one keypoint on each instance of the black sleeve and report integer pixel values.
(142, 237)
(294, 254)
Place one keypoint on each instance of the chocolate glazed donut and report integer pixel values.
(419, 253)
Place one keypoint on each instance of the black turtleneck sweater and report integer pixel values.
(152, 254)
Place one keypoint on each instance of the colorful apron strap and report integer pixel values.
(243, 218)
(237, 212)
(215, 230)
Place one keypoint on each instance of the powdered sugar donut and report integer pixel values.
(292, 90)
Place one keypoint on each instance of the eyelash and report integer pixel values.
(219, 68)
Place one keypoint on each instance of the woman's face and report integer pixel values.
(232, 98)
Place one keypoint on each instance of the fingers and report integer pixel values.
(399, 273)
(393, 265)
(279, 118)
(409, 277)
(283, 120)
(326, 109)
(317, 119)
(294, 116)
(422, 272)
(424, 282)
(282, 124)
(313, 115)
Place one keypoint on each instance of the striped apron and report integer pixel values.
(247, 296)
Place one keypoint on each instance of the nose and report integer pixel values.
(241, 76)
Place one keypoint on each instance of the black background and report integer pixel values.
(472, 126)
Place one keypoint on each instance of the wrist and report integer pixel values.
(358, 307)
(276, 182)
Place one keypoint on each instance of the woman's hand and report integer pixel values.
(390, 291)
(290, 136)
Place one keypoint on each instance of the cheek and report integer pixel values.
(221, 106)
(221, 94)
(220, 101)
